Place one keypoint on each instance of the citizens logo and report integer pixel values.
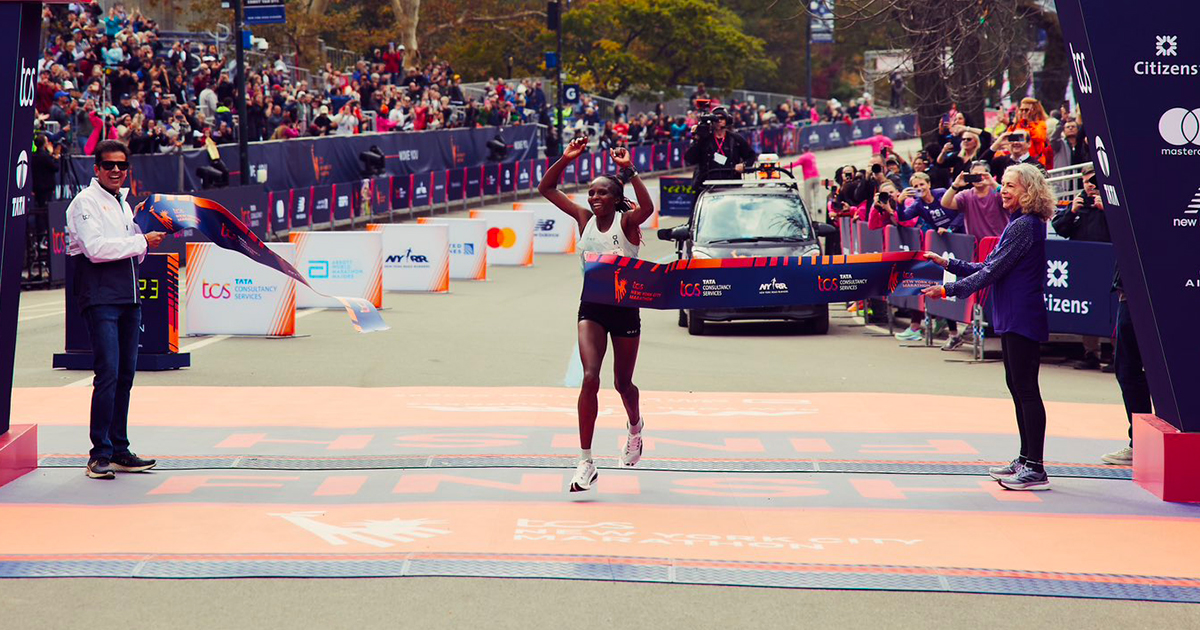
(774, 287)
(1164, 45)
(501, 238)
(1057, 274)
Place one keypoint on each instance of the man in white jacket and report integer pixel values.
(105, 242)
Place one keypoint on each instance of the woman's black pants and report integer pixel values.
(1022, 359)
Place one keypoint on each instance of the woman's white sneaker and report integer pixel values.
(633, 446)
(585, 476)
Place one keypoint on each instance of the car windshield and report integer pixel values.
(748, 218)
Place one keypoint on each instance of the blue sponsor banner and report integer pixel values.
(422, 190)
(540, 166)
(300, 208)
(753, 282)
(474, 181)
(343, 200)
(438, 196)
(508, 177)
(401, 192)
(491, 179)
(583, 168)
(660, 157)
(322, 206)
(454, 184)
(381, 192)
(569, 171)
(676, 153)
(903, 239)
(524, 176)
(1078, 293)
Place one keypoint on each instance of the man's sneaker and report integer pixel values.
(1025, 479)
(953, 343)
(633, 447)
(130, 463)
(1004, 471)
(585, 476)
(1123, 457)
(1088, 362)
(1109, 368)
(909, 335)
(100, 468)
(939, 327)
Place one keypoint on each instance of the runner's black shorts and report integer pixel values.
(618, 321)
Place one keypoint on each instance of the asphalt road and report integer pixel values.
(518, 329)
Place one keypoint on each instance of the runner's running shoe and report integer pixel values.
(585, 476)
(909, 335)
(1004, 471)
(633, 447)
(1025, 479)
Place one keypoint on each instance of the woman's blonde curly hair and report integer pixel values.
(1037, 199)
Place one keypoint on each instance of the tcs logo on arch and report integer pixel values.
(690, 289)
(827, 284)
(501, 238)
(215, 291)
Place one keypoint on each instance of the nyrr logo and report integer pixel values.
(416, 259)
(773, 287)
(1057, 274)
(26, 85)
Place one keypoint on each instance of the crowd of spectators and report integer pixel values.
(951, 186)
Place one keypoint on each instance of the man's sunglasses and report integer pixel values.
(109, 165)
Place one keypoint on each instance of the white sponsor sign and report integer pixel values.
(346, 264)
(415, 257)
(227, 293)
(468, 246)
(509, 236)
(554, 231)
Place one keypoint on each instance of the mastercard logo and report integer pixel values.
(501, 238)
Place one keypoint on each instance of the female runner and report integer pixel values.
(609, 225)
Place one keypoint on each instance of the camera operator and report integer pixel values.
(887, 209)
(717, 152)
(1016, 144)
(44, 170)
(1085, 220)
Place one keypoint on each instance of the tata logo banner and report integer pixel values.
(230, 294)
(339, 263)
(468, 248)
(1138, 87)
(510, 236)
(553, 231)
(416, 257)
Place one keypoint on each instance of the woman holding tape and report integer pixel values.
(610, 224)
(1017, 268)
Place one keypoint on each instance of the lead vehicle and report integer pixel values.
(760, 215)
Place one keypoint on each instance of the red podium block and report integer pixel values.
(18, 452)
(1166, 462)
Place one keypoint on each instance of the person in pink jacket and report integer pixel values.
(102, 129)
(883, 213)
(876, 142)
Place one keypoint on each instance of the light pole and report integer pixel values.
(808, 50)
(240, 87)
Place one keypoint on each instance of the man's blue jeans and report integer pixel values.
(115, 330)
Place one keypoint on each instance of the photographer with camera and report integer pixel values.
(1013, 148)
(716, 152)
(1085, 221)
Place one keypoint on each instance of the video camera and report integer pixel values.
(708, 119)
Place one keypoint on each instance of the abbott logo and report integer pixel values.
(1057, 275)
(1179, 126)
(1165, 45)
(1082, 78)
